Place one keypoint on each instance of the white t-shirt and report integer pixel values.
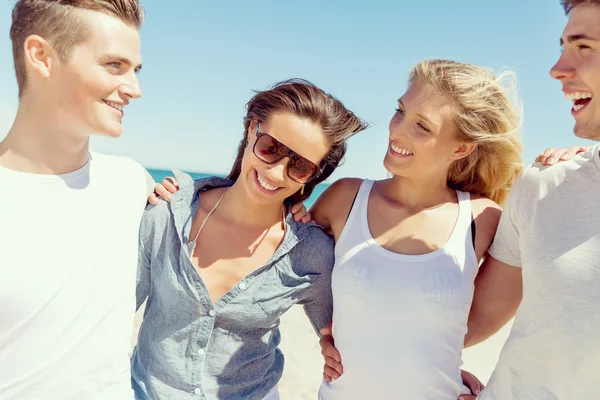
(68, 259)
(551, 228)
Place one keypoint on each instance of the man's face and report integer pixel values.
(578, 69)
(98, 80)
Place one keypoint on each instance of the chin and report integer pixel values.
(587, 131)
(111, 132)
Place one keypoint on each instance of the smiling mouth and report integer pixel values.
(580, 100)
(116, 106)
(264, 184)
(399, 151)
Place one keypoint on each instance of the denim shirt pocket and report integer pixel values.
(280, 289)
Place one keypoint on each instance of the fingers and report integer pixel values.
(544, 157)
(301, 213)
(162, 191)
(330, 374)
(296, 207)
(328, 350)
(170, 184)
(307, 218)
(467, 397)
(152, 199)
(570, 153)
(552, 155)
(326, 330)
(471, 381)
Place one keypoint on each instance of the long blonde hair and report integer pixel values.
(487, 112)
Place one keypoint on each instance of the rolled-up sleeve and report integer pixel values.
(316, 252)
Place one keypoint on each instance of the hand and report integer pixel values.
(467, 397)
(333, 362)
(300, 213)
(164, 190)
(552, 155)
(474, 384)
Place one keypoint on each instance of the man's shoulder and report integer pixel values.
(113, 162)
(121, 173)
(538, 176)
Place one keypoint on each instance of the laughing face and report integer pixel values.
(578, 69)
(269, 183)
(99, 78)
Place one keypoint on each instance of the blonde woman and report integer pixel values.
(408, 248)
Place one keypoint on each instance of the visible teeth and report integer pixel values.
(401, 150)
(578, 95)
(114, 105)
(265, 184)
(577, 107)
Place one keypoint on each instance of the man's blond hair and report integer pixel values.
(58, 23)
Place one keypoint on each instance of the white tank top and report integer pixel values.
(399, 321)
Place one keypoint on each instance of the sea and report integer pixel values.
(160, 174)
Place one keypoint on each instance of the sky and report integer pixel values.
(203, 59)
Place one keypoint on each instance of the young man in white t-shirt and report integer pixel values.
(68, 245)
(547, 250)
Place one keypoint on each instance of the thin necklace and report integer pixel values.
(192, 243)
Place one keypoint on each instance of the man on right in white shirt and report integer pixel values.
(546, 254)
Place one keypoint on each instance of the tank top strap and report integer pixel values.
(352, 229)
(462, 231)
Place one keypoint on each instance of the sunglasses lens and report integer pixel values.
(301, 169)
(269, 150)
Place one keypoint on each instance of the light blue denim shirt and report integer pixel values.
(190, 348)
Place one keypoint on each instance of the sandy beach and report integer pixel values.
(304, 365)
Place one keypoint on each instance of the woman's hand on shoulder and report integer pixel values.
(553, 155)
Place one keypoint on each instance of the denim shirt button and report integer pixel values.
(212, 313)
(242, 285)
(201, 352)
(197, 391)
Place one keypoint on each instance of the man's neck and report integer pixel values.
(34, 147)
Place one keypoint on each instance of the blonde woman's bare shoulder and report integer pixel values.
(335, 203)
(485, 208)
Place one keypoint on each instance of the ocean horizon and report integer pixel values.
(159, 174)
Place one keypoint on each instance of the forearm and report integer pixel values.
(498, 293)
(485, 324)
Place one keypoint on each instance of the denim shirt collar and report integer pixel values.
(184, 205)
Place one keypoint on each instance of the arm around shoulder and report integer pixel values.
(498, 285)
(333, 206)
(315, 258)
(498, 293)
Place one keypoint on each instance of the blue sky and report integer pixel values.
(203, 59)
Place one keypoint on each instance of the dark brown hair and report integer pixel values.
(569, 5)
(304, 100)
(56, 21)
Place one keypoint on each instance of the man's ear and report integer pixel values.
(39, 56)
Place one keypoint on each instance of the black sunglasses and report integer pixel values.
(269, 150)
